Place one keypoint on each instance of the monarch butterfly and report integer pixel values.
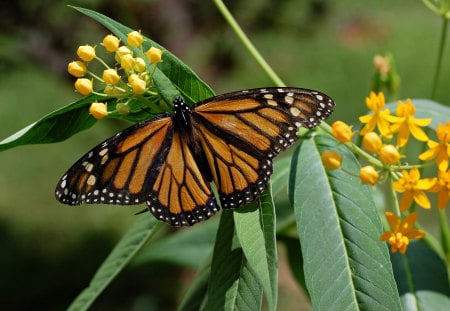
(169, 161)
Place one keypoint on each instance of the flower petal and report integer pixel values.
(421, 199)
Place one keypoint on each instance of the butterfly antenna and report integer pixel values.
(141, 212)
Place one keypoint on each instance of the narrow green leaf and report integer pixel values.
(280, 174)
(346, 266)
(188, 247)
(295, 258)
(232, 284)
(54, 127)
(195, 296)
(144, 228)
(255, 228)
(422, 278)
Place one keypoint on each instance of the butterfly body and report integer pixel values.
(169, 161)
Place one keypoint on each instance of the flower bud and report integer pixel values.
(84, 86)
(98, 110)
(111, 43)
(127, 62)
(389, 154)
(110, 76)
(331, 160)
(77, 68)
(368, 175)
(154, 55)
(341, 131)
(86, 53)
(112, 90)
(372, 142)
(122, 108)
(135, 38)
(137, 84)
(139, 64)
(121, 51)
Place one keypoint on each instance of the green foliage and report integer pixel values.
(345, 264)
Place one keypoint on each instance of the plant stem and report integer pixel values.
(445, 235)
(247, 43)
(440, 53)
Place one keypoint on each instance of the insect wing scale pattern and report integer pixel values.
(168, 161)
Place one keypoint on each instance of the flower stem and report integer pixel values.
(445, 235)
(440, 53)
(247, 43)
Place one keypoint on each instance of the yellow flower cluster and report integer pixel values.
(131, 77)
(384, 137)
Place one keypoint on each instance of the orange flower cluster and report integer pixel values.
(384, 137)
(137, 73)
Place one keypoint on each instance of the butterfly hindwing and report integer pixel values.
(242, 132)
(181, 195)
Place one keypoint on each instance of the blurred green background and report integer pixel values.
(50, 251)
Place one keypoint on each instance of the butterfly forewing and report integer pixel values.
(120, 170)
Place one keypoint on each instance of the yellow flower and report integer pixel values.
(331, 160)
(412, 188)
(111, 43)
(442, 187)
(98, 110)
(84, 86)
(407, 124)
(341, 131)
(137, 84)
(77, 68)
(379, 118)
(389, 154)
(372, 142)
(368, 175)
(154, 55)
(121, 51)
(439, 150)
(139, 64)
(86, 52)
(402, 232)
(110, 76)
(127, 61)
(135, 38)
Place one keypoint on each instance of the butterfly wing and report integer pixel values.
(240, 133)
(122, 169)
(181, 195)
(148, 162)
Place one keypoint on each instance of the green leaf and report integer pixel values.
(188, 247)
(142, 230)
(295, 258)
(232, 284)
(195, 296)
(422, 278)
(346, 266)
(54, 127)
(255, 228)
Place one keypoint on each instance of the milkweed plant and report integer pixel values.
(348, 200)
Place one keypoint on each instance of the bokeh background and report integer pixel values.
(49, 251)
